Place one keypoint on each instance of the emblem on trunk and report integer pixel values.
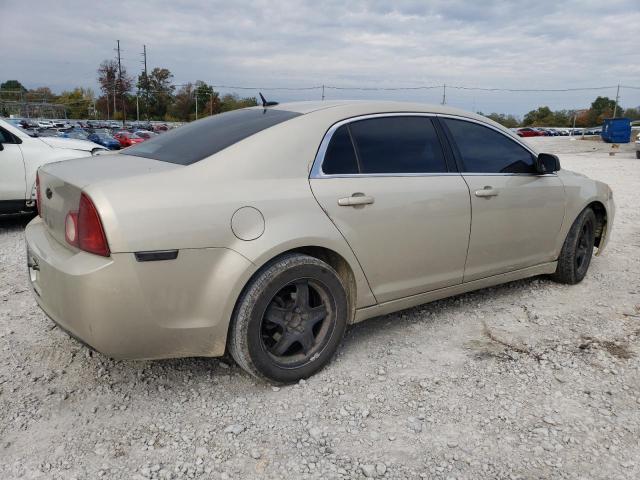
(48, 193)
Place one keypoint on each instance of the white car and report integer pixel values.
(638, 146)
(20, 157)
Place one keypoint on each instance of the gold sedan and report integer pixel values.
(266, 231)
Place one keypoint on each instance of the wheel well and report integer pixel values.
(335, 260)
(340, 265)
(601, 218)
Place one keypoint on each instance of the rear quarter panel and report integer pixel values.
(193, 206)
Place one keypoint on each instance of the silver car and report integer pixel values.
(265, 231)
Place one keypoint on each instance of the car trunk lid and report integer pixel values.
(62, 183)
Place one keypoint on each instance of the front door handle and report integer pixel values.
(487, 191)
(355, 199)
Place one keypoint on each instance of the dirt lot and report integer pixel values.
(527, 380)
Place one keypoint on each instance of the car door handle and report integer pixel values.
(487, 191)
(355, 199)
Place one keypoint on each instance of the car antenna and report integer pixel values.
(265, 103)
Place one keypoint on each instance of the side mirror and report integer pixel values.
(547, 163)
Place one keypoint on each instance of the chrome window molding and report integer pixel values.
(316, 168)
(515, 138)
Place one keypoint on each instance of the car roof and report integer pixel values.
(374, 106)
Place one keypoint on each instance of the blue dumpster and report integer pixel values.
(616, 130)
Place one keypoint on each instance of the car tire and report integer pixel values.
(637, 153)
(289, 320)
(577, 250)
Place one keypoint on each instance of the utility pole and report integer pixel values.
(615, 108)
(211, 103)
(444, 94)
(146, 85)
(323, 92)
(196, 103)
(120, 82)
(137, 108)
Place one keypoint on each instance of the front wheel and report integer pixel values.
(577, 250)
(290, 319)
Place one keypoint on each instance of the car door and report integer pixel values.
(384, 182)
(12, 174)
(516, 212)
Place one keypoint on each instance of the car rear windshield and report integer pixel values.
(193, 142)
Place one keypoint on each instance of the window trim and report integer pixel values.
(516, 140)
(316, 168)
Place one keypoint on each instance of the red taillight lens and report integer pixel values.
(90, 234)
(38, 198)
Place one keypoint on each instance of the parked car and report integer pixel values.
(45, 124)
(637, 142)
(265, 231)
(127, 139)
(144, 134)
(76, 133)
(105, 140)
(528, 132)
(20, 157)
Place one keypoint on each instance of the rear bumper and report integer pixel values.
(137, 310)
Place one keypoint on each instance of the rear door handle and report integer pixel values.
(355, 199)
(487, 191)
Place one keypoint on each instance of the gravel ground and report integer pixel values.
(526, 380)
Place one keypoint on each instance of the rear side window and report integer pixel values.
(198, 140)
(484, 150)
(340, 158)
(397, 145)
(5, 137)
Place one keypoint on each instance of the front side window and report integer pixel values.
(484, 150)
(385, 145)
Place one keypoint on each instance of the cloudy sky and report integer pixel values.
(406, 43)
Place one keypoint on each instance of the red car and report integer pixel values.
(529, 132)
(127, 139)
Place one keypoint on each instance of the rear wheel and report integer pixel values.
(637, 153)
(577, 250)
(289, 320)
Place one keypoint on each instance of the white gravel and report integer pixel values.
(527, 380)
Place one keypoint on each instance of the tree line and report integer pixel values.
(153, 96)
(601, 108)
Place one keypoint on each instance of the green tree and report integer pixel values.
(601, 108)
(40, 94)
(116, 84)
(184, 104)
(78, 102)
(232, 101)
(542, 116)
(12, 89)
(508, 121)
(204, 93)
(157, 89)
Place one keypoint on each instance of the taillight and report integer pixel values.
(38, 198)
(71, 228)
(83, 228)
